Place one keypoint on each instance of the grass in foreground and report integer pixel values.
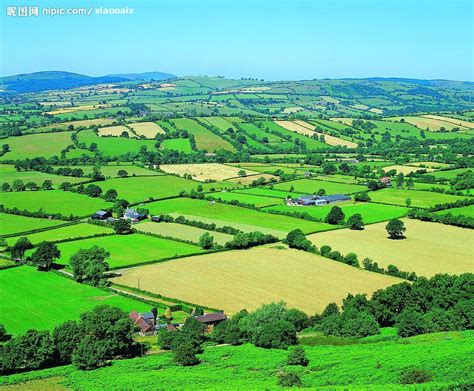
(42, 300)
(362, 366)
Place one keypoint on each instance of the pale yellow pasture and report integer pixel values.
(73, 109)
(247, 180)
(376, 111)
(405, 169)
(429, 248)
(360, 107)
(147, 129)
(291, 110)
(454, 121)
(115, 131)
(328, 139)
(345, 121)
(294, 127)
(233, 280)
(206, 171)
(428, 123)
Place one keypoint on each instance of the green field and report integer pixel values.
(67, 232)
(246, 367)
(449, 174)
(114, 146)
(371, 213)
(250, 199)
(177, 144)
(181, 231)
(127, 250)
(30, 299)
(111, 170)
(310, 186)
(237, 217)
(36, 145)
(462, 211)
(9, 174)
(136, 189)
(53, 201)
(11, 224)
(205, 139)
(419, 198)
(267, 192)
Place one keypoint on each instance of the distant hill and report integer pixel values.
(147, 76)
(54, 80)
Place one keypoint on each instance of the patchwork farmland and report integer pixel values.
(205, 195)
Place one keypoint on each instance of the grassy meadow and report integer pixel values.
(371, 213)
(8, 174)
(205, 139)
(61, 233)
(241, 218)
(310, 186)
(33, 145)
(136, 189)
(48, 299)
(247, 367)
(419, 198)
(53, 201)
(11, 224)
(127, 250)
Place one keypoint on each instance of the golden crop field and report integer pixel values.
(430, 164)
(345, 121)
(73, 109)
(115, 131)
(147, 129)
(181, 231)
(405, 169)
(205, 171)
(328, 139)
(247, 180)
(376, 111)
(427, 123)
(295, 127)
(454, 121)
(233, 280)
(429, 248)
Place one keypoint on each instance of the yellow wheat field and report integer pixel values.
(115, 131)
(73, 109)
(376, 111)
(405, 169)
(345, 121)
(429, 248)
(247, 180)
(328, 139)
(427, 123)
(205, 171)
(295, 127)
(454, 121)
(233, 280)
(147, 129)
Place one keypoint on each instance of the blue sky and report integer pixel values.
(274, 40)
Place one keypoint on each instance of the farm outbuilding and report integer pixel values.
(308, 200)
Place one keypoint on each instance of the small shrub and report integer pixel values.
(415, 376)
(297, 356)
(289, 379)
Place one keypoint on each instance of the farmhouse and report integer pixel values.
(386, 181)
(101, 215)
(211, 320)
(308, 200)
(145, 321)
(133, 215)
